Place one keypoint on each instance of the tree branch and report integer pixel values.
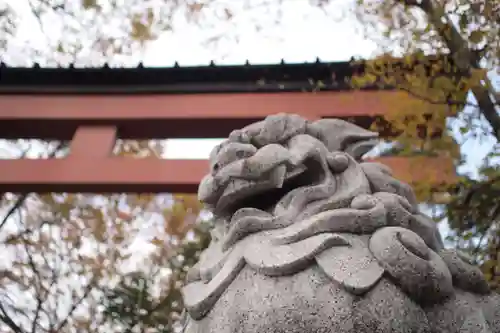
(464, 60)
(18, 204)
(75, 305)
(5, 318)
(27, 231)
(40, 299)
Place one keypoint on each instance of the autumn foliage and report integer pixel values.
(448, 57)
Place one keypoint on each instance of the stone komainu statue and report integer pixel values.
(309, 238)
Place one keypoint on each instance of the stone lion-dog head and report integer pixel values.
(309, 238)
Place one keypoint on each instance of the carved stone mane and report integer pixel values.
(309, 238)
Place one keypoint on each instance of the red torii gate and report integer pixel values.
(93, 107)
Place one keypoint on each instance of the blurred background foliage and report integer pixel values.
(115, 263)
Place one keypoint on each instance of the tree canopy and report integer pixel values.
(451, 57)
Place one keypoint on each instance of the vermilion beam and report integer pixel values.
(173, 116)
(93, 122)
(167, 107)
(120, 174)
(93, 141)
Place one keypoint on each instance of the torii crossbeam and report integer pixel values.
(94, 107)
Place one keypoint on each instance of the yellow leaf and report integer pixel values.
(476, 36)
(13, 241)
(89, 4)
(157, 242)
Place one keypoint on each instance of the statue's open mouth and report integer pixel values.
(270, 189)
(308, 174)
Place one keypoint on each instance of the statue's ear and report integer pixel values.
(340, 135)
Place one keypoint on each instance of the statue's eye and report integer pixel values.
(240, 154)
(215, 167)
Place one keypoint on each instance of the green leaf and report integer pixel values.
(467, 236)
(476, 36)
(90, 4)
(463, 21)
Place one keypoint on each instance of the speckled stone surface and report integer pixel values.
(309, 238)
